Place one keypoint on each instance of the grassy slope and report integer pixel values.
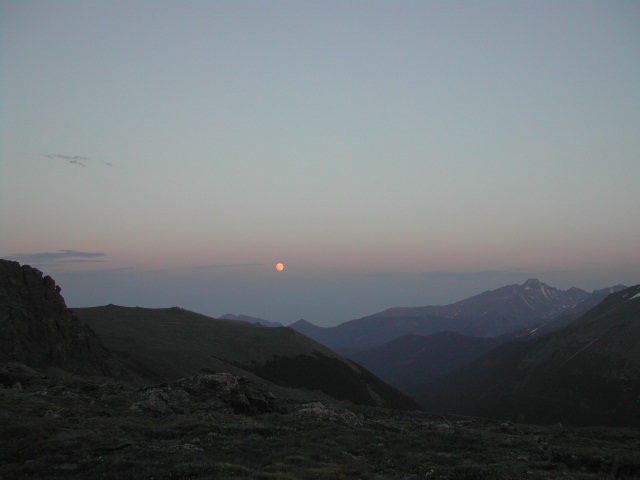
(171, 343)
(410, 361)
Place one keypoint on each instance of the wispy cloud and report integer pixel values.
(473, 276)
(207, 267)
(74, 159)
(101, 272)
(386, 275)
(441, 276)
(228, 265)
(56, 258)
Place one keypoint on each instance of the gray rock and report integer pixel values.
(38, 330)
(206, 393)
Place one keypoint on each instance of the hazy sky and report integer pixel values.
(390, 153)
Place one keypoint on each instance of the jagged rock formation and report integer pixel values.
(37, 328)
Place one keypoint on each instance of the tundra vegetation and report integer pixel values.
(61, 426)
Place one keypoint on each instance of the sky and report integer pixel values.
(389, 153)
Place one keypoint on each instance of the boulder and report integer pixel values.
(207, 393)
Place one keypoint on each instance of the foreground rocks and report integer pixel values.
(205, 393)
(217, 425)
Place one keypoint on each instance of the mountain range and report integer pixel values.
(410, 361)
(585, 373)
(568, 356)
(490, 314)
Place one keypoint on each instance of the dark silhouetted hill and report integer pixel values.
(166, 344)
(410, 361)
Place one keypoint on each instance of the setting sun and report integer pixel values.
(280, 266)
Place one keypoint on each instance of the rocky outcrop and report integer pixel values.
(203, 395)
(208, 393)
(38, 330)
(320, 412)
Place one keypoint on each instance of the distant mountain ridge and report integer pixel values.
(585, 373)
(489, 314)
(567, 316)
(249, 319)
(410, 361)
